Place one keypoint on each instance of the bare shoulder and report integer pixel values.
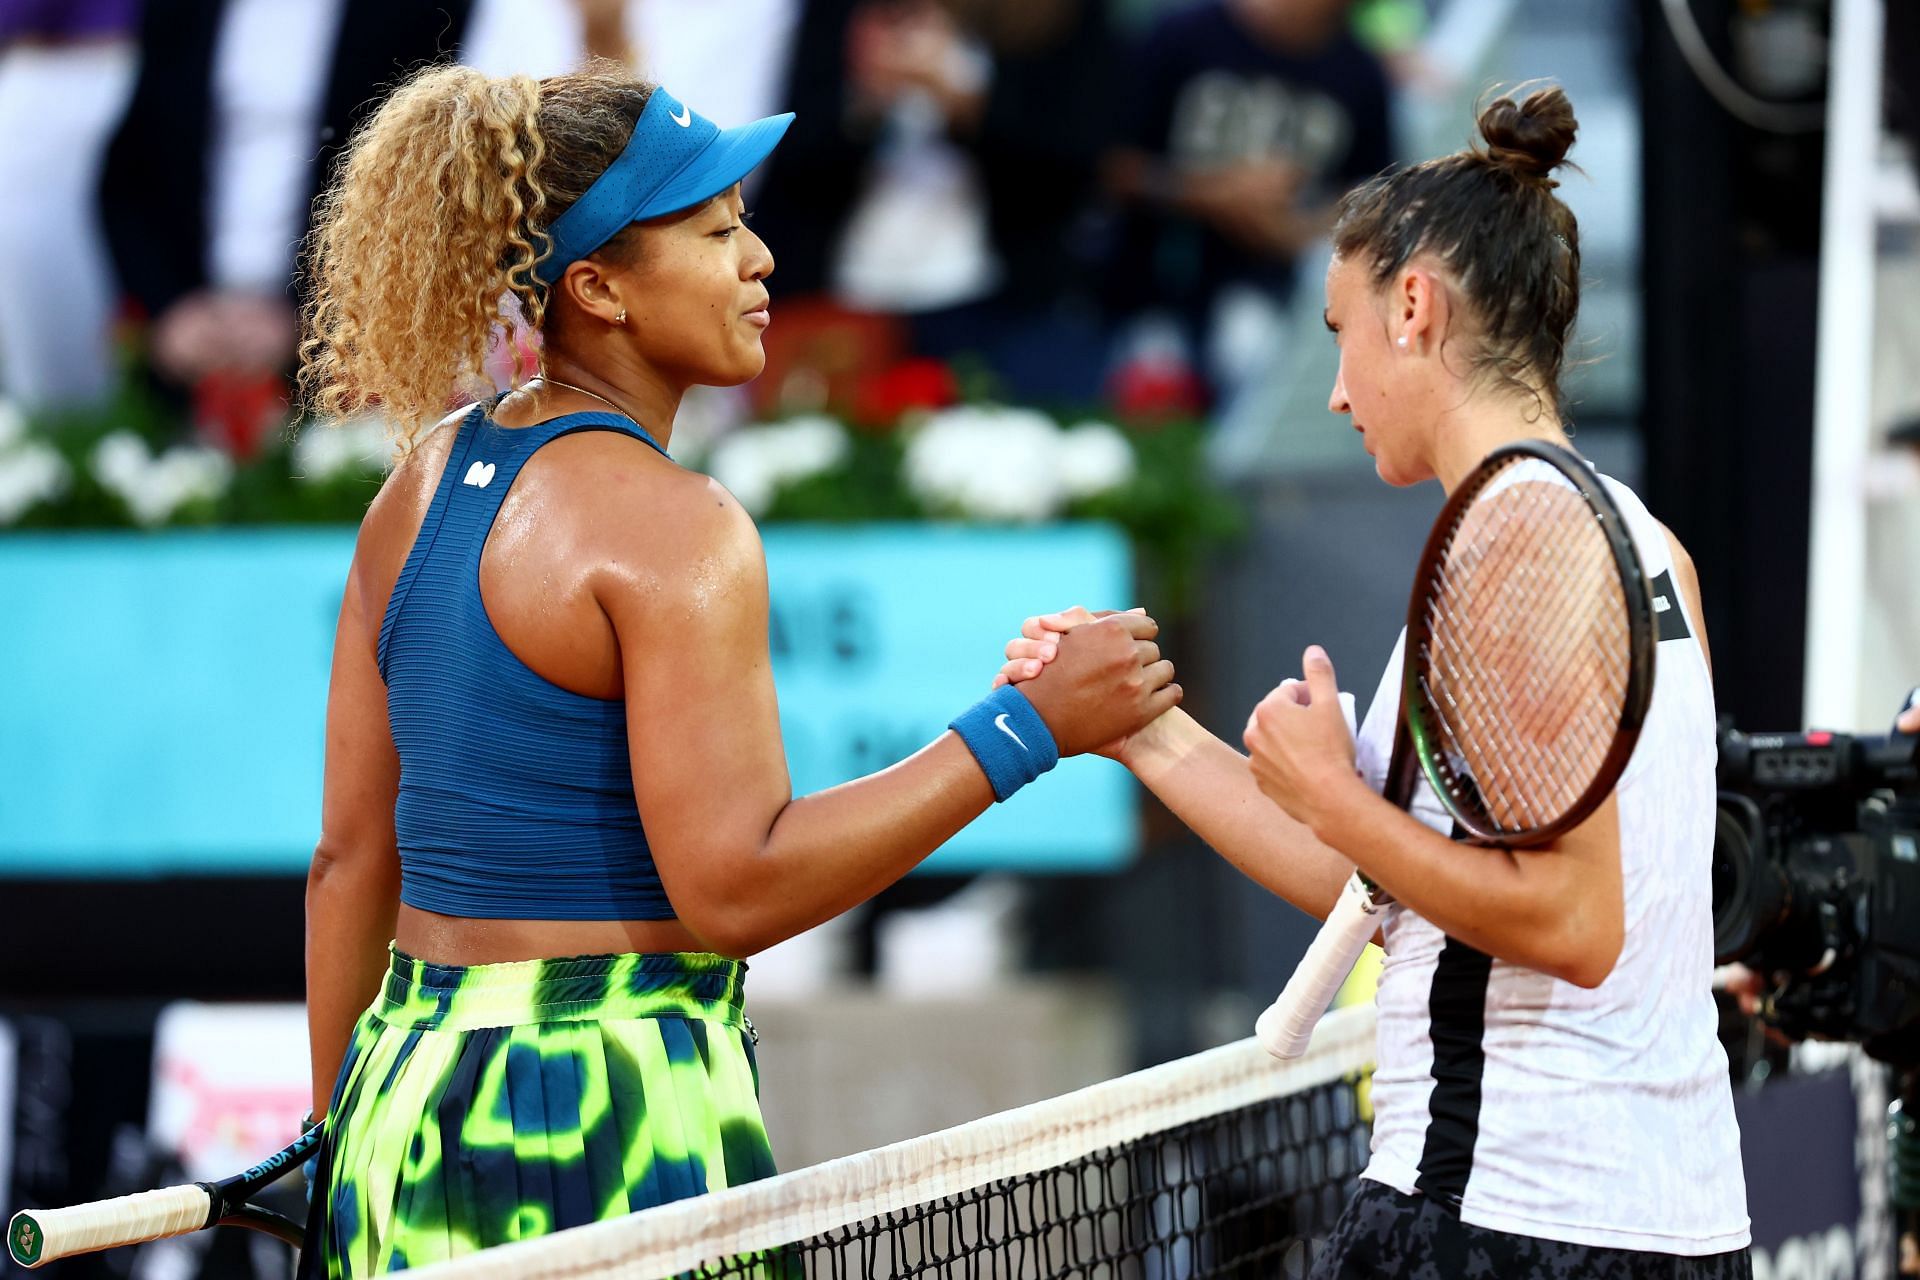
(655, 530)
(1680, 556)
(1682, 562)
(1688, 580)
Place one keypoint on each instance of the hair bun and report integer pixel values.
(1530, 138)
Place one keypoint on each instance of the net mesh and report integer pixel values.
(1226, 1164)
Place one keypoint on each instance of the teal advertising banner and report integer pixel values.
(162, 696)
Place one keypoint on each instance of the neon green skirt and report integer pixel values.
(491, 1103)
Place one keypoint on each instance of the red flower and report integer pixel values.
(883, 397)
(1156, 391)
(234, 410)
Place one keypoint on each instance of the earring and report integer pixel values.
(1403, 337)
(622, 319)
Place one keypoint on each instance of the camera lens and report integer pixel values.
(1749, 891)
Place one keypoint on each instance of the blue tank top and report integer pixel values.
(516, 796)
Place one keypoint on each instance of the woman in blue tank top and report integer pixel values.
(557, 808)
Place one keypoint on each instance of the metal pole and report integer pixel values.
(1837, 567)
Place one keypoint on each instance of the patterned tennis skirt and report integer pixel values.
(491, 1103)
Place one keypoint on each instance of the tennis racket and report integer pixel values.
(40, 1236)
(1526, 674)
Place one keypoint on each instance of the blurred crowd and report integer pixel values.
(1071, 200)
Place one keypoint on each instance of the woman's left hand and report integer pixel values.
(1301, 746)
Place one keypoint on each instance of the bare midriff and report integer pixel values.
(462, 940)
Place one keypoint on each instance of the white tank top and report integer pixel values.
(1535, 1107)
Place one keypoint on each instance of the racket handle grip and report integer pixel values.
(1287, 1025)
(38, 1236)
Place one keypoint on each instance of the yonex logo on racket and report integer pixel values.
(1000, 723)
(26, 1241)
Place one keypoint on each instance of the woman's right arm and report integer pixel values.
(1207, 784)
(1210, 786)
(744, 862)
(353, 884)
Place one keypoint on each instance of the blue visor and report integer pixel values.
(675, 160)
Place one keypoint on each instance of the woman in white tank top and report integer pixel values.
(1550, 1098)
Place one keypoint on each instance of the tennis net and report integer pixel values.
(1224, 1164)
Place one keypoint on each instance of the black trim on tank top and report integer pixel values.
(1457, 1024)
(1666, 608)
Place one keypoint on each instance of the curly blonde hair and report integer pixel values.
(424, 246)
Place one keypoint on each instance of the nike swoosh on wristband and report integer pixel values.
(1000, 723)
(684, 119)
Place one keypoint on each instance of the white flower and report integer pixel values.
(990, 463)
(1094, 458)
(120, 460)
(754, 462)
(358, 446)
(13, 423)
(155, 487)
(29, 474)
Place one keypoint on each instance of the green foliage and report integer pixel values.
(1171, 508)
(866, 487)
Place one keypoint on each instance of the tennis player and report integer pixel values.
(555, 782)
(1550, 1099)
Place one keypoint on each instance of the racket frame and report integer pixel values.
(1417, 732)
(1286, 1027)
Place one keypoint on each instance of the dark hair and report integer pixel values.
(1490, 214)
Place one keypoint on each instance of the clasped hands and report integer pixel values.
(1301, 749)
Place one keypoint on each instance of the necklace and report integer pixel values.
(552, 381)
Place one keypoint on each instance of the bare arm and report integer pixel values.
(353, 884)
(1689, 582)
(1206, 783)
(1298, 819)
(745, 863)
(1558, 909)
(1211, 787)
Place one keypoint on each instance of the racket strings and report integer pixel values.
(1526, 751)
(1578, 702)
(1527, 654)
(1545, 712)
(1517, 771)
(1536, 693)
(1460, 649)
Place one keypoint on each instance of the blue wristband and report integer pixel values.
(1008, 738)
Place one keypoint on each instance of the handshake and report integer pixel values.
(1095, 678)
(1101, 685)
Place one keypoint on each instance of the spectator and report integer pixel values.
(942, 153)
(211, 176)
(1245, 121)
(65, 69)
(735, 51)
(238, 111)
